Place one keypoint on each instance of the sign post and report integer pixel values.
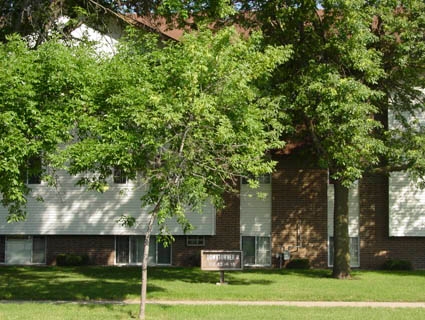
(221, 260)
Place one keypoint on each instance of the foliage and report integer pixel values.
(354, 62)
(39, 89)
(41, 19)
(186, 119)
(397, 264)
(298, 264)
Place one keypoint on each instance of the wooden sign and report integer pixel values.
(221, 260)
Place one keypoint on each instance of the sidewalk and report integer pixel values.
(328, 304)
(307, 304)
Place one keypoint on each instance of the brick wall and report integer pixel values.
(375, 244)
(100, 249)
(299, 211)
(227, 235)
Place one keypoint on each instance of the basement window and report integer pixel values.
(195, 241)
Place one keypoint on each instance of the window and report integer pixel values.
(38, 249)
(2, 248)
(256, 251)
(25, 250)
(119, 176)
(129, 250)
(195, 241)
(32, 172)
(263, 179)
(354, 252)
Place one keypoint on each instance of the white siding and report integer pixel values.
(70, 209)
(353, 210)
(406, 199)
(255, 211)
(406, 207)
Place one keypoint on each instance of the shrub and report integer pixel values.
(397, 264)
(298, 264)
(65, 259)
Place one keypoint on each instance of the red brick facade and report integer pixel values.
(100, 249)
(227, 235)
(375, 243)
(299, 212)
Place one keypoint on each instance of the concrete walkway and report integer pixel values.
(324, 304)
(297, 303)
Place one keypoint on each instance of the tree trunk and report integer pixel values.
(143, 290)
(341, 265)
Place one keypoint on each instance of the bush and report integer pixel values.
(298, 264)
(65, 259)
(397, 264)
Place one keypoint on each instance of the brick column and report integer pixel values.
(299, 211)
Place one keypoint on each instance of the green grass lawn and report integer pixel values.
(104, 283)
(30, 311)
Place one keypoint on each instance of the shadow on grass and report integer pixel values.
(83, 283)
(119, 283)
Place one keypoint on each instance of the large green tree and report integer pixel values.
(354, 62)
(38, 91)
(185, 119)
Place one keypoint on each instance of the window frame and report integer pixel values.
(195, 241)
(256, 252)
(357, 250)
(119, 176)
(129, 250)
(31, 257)
(33, 170)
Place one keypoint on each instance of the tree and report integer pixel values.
(186, 119)
(353, 62)
(41, 18)
(39, 88)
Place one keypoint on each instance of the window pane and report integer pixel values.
(18, 251)
(354, 252)
(331, 251)
(34, 170)
(195, 241)
(152, 251)
(136, 246)
(38, 249)
(263, 251)
(248, 248)
(2, 248)
(164, 254)
(119, 176)
(122, 250)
